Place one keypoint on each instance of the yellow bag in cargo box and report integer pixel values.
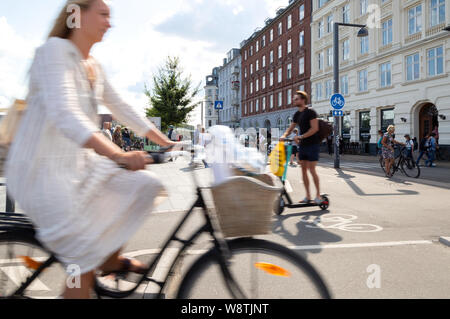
(278, 160)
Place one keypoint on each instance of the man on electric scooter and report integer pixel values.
(308, 141)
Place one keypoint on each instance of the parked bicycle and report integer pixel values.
(230, 268)
(405, 164)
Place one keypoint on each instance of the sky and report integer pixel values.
(144, 33)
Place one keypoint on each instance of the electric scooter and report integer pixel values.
(285, 199)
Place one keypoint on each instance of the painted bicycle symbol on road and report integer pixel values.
(342, 222)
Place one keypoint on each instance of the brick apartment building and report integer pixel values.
(276, 61)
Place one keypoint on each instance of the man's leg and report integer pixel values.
(305, 166)
(312, 169)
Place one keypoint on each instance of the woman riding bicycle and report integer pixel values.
(388, 149)
(63, 172)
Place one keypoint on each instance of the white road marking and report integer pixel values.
(288, 187)
(306, 247)
(18, 273)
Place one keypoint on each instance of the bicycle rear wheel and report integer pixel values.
(261, 270)
(410, 168)
(20, 256)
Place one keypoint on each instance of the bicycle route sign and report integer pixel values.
(337, 101)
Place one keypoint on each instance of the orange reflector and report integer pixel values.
(272, 269)
(30, 262)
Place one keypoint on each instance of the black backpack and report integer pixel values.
(416, 145)
(325, 129)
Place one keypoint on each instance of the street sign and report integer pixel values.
(337, 101)
(218, 105)
(338, 113)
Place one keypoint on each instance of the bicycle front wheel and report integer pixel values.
(410, 168)
(260, 270)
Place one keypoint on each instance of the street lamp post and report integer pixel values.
(362, 33)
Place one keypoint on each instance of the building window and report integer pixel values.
(251, 68)
(271, 56)
(257, 85)
(387, 32)
(346, 50)
(346, 13)
(245, 109)
(280, 28)
(362, 76)
(271, 35)
(328, 89)
(437, 12)
(264, 103)
(251, 50)
(245, 72)
(301, 38)
(385, 75)
(344, 85)
(289, 22)
(301, 12)
(363, 4)
(301, 88)
(263, 84)
(289, 71)
(330, 23)
(245, 55)
(435, 58)
(330, 57)
(280, 51)
(251, 107)
(320, 29)
(271, 101)
(364, 42)
(257, 106)
(289, 46)
(318, 91)
(257, 65)
(251, 87)
(263, 41)
(280, 75)
(387, 118)
(264, 61)
(301, 67)
(322, 2)
(280, 99)
(289, 97)
(364, 127)
(320, 60)
(415, 20)
(257, 46)
(271, 78)
(412, 67)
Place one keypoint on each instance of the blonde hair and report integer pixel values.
(60, 28)
(390, 127)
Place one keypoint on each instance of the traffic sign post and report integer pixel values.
(337, 103)
(218, 105)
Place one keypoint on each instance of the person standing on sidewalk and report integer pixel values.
(409, 147)
(388, 149)
(309, 142)
(117, 136)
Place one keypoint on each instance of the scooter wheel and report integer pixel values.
(281, 206)
(325, 203)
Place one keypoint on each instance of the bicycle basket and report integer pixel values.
(244, 205)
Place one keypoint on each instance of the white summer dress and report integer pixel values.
(84, 206)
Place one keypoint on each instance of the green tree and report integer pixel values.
(172, 95)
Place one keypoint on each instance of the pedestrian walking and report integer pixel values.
(423, 148)
(307, 121)
(126, 137)
(294, 149)
(432, 146)
(388, 149)
(379, 143)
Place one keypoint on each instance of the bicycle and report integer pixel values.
(239, 267)
(405, 164)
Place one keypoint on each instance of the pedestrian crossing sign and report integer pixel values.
(218, 105)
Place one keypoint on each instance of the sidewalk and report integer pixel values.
(372, 159)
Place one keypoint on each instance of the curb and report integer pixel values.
(445, 241)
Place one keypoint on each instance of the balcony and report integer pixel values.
(235, 101)
(236, 70)
(235, 85)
